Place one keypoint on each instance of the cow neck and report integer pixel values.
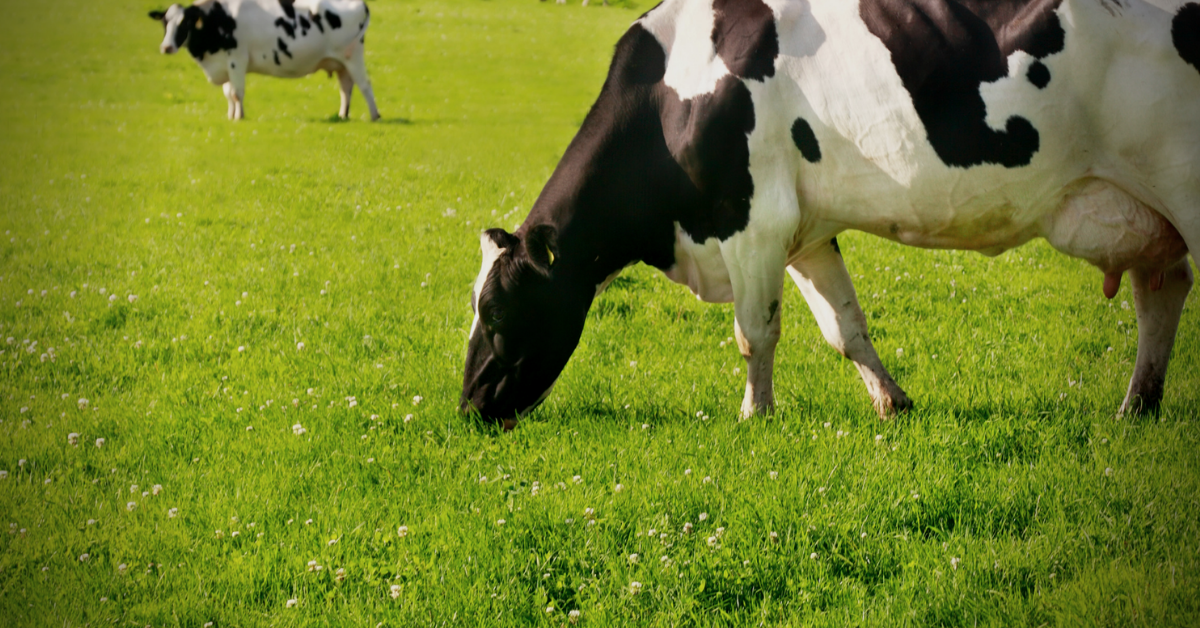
(613, 196)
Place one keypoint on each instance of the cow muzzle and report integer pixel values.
(167, 49)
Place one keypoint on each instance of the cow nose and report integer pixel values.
(167, 49)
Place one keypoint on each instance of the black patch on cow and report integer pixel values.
(316, 17)
(836, 249)
(206, 33)
(335, 22)
(288, 8)
(1185, 33)
(287, 27)
(806, 140)
(367, 9)
(772, 310)
(304, 24)
(1038, 74)
(283, 47)
(276, 57)
(745, 38)
(944, 50)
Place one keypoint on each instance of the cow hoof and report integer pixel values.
(1139, 405)
(892, 405)
(375, 117)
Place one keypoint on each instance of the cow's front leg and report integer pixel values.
(755, 259)
(227, 89)
(822, 278)
(1159, 299)
(346, 90)
(236, 91)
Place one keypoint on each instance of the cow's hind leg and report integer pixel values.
(357, 67)
(822, 278)
(237, 84)
(1158, 313)
(346, 89)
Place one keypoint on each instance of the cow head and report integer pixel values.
(529, 314)
(177, 23)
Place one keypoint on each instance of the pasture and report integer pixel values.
(232, 356)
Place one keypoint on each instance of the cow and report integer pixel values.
(733, 140)
(284, 38)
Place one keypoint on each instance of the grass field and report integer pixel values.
(181, 292)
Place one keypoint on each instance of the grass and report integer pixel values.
(1011, 496)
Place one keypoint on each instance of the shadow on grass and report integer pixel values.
(334, 119)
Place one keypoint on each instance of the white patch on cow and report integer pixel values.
(684, 30)
(847, 78)
(491, 253)
(700, 267)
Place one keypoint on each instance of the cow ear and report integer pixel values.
(501, 238)
(158, 15)
(541, 244)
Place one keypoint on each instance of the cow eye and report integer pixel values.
(496, 314)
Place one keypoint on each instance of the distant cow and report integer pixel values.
(734, 139)
(284, 38)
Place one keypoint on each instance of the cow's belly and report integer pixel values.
(304, 61)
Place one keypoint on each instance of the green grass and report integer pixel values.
(1011, 496)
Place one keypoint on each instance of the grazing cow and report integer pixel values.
(734, 139)
(284, 38)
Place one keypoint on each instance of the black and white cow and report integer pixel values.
(734, 139)
(284, 38)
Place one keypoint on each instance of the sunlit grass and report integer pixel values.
(268, 320)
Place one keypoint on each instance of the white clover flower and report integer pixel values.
(773, 475)
(1108, 471)
(298, 429)
(687, 527)
(879, 438)
(132, 298)
(172, 513)
(618, 488)
(156, 489)
(773, 536)
(21, 462)
(573, 616)
(339, 575)
(500, 522)
(308, 522)
(131, 506)
(417, 399)
(633, 558)
(707, 479)
(312, 565)
(712, 541)
(651, 532)
(394, 591)
(133, 488)
(635, 587)
(73, 438)
(954, 563)
(589, 512)
(483, 479)
(3, 474)
(703, 516)
(402, 531)
(235, 534)
(813, 555)
(83, 558)
(577, 479)
(549, 610)
(83, 403)
(827, 424)
(408, 418)
(899, 352)
(720, 532)
(241, 348)
(122, 567)
(687, 471)
(99, 442)
(219, 534)
(299, 346)
(292, 602)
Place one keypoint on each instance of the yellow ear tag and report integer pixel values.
(550, 254)
(199, 23)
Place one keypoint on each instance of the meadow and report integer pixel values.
(231, 356)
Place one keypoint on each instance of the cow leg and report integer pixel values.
(346, 88)
(227, 89)
(825, 284)
(237, 83)
(756, 259)
(357, 67)
(1158, 313)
